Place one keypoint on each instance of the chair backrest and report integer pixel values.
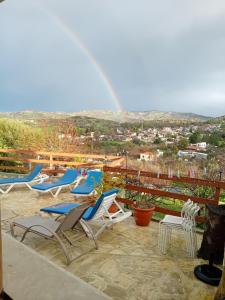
(94, 177)
(69, 177)
(72, 218)
(186, 207)
(191, 214)
(34, 173)
(103, 204)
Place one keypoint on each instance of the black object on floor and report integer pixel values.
(208, 274)
(4, 296)
(214, 235)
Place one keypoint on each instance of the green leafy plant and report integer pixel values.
(142, 200)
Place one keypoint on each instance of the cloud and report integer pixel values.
(165, 55)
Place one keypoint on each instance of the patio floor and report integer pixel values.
(127, 265)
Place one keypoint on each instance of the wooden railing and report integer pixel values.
(53, 159)
(216, 185)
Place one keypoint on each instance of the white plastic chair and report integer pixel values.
(189, 228)
(186, 223)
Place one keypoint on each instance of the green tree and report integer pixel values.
(183, 143)
(157, 140)
(15, 134)
(195, 137)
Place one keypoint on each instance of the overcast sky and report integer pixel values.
(74, 55)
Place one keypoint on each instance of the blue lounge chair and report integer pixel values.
(34, 176)
(70, 177)
(88, 186)
(95, 214)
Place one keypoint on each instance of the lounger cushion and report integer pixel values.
(27, 178)
(64, 208)
(68, 178)
(61, 208)
(12, 180)
(87, 187)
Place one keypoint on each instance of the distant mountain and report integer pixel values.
(125, 116)
(216, 120)
(117, 116)
(33, 115)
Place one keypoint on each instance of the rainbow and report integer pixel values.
(77, 41)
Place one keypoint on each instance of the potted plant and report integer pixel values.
(143, 208)
(111, 182)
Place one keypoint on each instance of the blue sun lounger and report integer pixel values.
(87, 187)
(70, 177)
(34, 176)
(95, 214)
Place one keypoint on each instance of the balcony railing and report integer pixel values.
(23, 160)
(217, 186)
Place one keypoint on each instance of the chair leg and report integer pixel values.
(12, 230)
(63, 248)
(7, 190)
(89, 232)
(24, 235)
(57, 192)
(164, 237)
(67, 238)
(27, 184)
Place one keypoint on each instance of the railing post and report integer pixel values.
(50, 161)
(217, 195)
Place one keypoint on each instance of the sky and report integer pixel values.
(135, 55)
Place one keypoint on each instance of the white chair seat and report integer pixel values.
(172, 219)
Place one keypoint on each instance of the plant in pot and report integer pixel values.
(111, 182)
(143, 207)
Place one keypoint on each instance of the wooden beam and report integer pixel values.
(161, 193)
(195, 181)
(162, 210)
(45, 161)
(60, 154)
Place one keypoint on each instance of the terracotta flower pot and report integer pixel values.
(113, 208)
(143, 216)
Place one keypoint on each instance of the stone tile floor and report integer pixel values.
(127, 264)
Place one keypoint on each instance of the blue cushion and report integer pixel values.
(69, 177)
(61, 208)
(26, 178)
(90, 213)
(65, 208)
(34, 173)
(87, 187)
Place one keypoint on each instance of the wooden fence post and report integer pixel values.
(217, 195)
(50, 161)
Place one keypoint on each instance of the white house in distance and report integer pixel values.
(147, 156)
(201, 145)
(190, 154)
(150, 155)
(159, 153)
(198, 147)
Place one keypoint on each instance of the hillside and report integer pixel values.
(125, 116)
(117, 116)
(216, 120)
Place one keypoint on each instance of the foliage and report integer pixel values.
(157, 140)
(15, 134)
(195, 137)
(110, 182)
(142, 200)
(183, 143)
